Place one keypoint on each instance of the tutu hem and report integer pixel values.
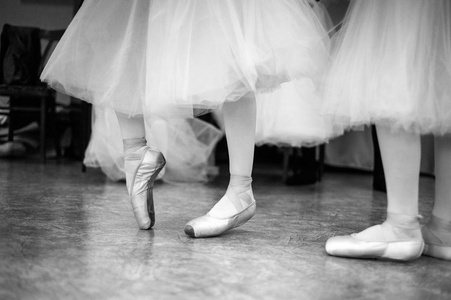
(392, 66)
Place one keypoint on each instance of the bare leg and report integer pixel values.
(240, 122)
(399, 237)
(442, 204)
(131, 128)
(401, 154)
(437, 233)
(238, 204)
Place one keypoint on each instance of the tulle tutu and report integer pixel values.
(291, 115)
(180, 57)
(392, 66)
(186, 143)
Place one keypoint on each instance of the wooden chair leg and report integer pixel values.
(289, 152)
(286, 162)
(42, 140)
(86, 111)
(11, 120)
(322, 155)
(378, 170)
(55, 132)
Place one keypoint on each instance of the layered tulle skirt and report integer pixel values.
(291, 115)
(182, 57)
(391, 65)
(187, 144)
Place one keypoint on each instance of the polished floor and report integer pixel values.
(69, 235)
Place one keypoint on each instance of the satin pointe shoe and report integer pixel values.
(208, 226)
(437, 238)
(394, 239)
(215, 222)
(149, 164)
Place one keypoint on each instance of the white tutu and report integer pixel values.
(291, 115)
(392, 66)
(186, 144)
(173, 57)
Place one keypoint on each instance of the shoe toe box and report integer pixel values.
(348, 246)
(189, 231)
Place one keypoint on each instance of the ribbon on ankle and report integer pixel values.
(239, 180)
(238, 191)
(404, 221)
(136, 142)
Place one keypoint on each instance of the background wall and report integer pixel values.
(46, 14)
(336, 8)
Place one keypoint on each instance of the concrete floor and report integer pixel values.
(68, 235)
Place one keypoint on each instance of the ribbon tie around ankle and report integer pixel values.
(404, 221)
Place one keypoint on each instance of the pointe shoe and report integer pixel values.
(208, 226)
(350, 246)
(141, 187)
(435, 239)
(399, 246)
(234, 209)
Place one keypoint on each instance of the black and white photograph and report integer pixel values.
(225, 149)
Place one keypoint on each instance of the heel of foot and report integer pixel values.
(246, 214)
(404, 251)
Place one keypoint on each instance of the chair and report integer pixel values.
(290, 155)
(32, 96)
